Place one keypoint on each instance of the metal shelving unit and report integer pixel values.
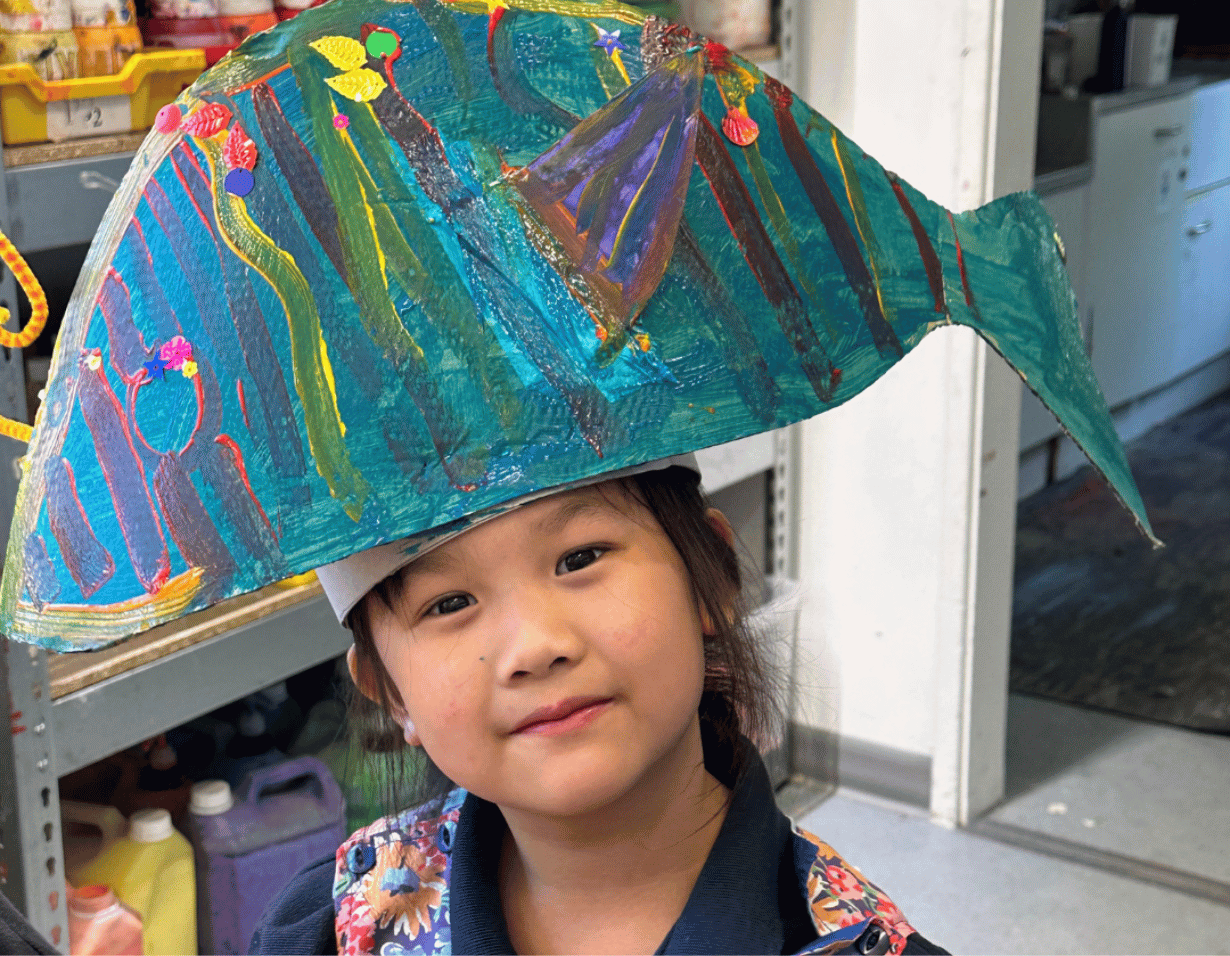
(67, 711)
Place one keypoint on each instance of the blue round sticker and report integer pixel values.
(239, 182)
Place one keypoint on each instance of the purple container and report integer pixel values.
(249, 846)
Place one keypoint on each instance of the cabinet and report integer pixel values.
(1203, 331)
(1210, 163)
(1136, 216)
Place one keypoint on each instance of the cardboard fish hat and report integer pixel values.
(392, 264)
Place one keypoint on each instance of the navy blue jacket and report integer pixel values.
(758, 859)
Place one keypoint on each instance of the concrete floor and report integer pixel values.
(971, 894)
(1151, 792)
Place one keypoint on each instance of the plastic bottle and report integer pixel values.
(250, 750)
(107, 35)
(217, 924)
(1112, 50)
(88, 829)
(242, 18)
(52, 53)
(285, 9)
(250, 844)
(151, 870)
(38, 16)
(100, 923)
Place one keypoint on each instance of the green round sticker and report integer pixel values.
(381, 44)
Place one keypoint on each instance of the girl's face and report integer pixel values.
(550, 659)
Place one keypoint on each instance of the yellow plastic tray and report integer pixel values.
(33, 110)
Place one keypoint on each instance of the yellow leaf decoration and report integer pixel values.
(362, 86)
(345, 53)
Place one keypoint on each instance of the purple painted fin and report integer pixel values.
(612, 191)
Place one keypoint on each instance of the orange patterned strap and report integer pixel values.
(19, 340)
(840, 896)
(38, 302)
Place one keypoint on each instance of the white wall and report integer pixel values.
(908, 490)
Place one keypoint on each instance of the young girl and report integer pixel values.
(580, 675)
(390, 268)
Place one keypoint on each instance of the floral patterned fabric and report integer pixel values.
(390, 891)
(391, 888)
(840, 896)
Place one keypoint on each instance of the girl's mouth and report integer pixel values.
(564, 717)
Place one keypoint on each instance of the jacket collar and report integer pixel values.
(745, 862)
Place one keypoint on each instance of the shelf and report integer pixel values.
(67, 673)
(34, 153)
(105, 701)
(765, 53)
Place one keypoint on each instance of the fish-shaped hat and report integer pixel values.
(393, 264)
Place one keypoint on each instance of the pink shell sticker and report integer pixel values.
(739, 128)
(238, 152)
(168, 119)
(207, 121)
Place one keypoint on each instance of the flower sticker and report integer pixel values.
(189, 369)
(155, 368)
(175, 352)
(609, 41)
(93, 360)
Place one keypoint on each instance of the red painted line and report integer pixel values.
(229, 443)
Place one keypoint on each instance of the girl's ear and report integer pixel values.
(362, 676)
(721, 524)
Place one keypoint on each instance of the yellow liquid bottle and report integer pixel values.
(151, 871)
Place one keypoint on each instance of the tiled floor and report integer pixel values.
(1151, 792)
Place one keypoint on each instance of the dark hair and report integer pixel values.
(739, 706)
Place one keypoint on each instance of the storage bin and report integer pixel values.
(32, 110)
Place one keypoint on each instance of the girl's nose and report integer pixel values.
(539, 640)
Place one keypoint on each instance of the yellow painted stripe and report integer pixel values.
(862, 219)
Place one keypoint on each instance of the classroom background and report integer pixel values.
(1002, 703)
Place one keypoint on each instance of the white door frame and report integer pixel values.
(944, 93)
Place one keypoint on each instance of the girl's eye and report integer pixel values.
(451, 604)
(576, 560)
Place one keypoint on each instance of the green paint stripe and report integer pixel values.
(312, 381)
(424, 269)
